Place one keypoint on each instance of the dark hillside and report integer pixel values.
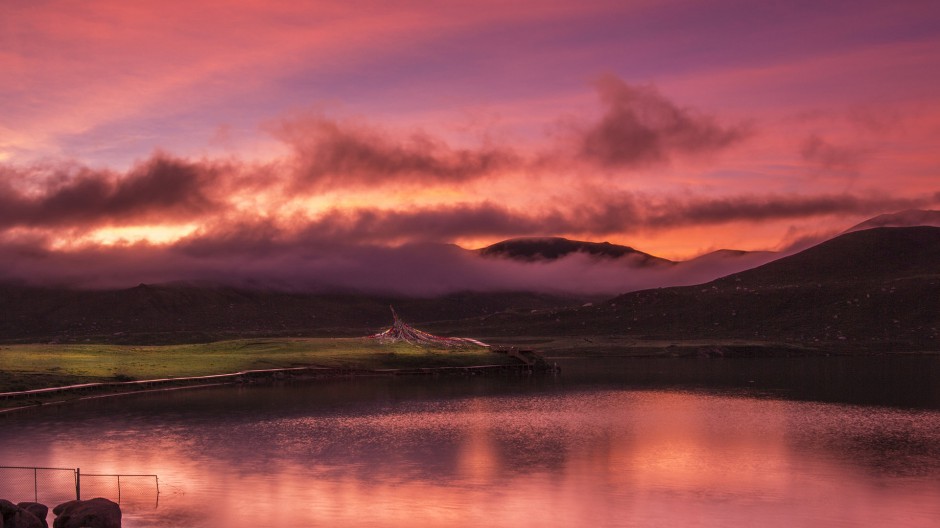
(872, 254)
(553, 248)
(184, 313)
(874, 290)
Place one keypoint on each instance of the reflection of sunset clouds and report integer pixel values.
(578, 458)
(682, 450)
(476, 457)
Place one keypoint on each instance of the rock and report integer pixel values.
(12, 516)
(39, 510)
(91, 513)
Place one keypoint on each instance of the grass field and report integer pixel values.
(25, 367)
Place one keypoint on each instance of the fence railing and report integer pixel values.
(126, 490)
(52, 486)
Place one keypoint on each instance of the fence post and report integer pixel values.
(78, 484)
(119, 489)
(35, 484)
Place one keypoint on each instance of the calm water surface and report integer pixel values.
(614, 442)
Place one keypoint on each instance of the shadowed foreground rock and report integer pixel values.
(91, 513)
(39, 510)
(13, 516)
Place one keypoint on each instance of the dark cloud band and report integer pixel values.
(162, 189)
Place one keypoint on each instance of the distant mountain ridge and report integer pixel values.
(548, 249)
(531, 249)
(874, 288)
(537, 249)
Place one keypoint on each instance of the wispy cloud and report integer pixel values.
(642, 127)
(758, 208)
(165, 190)
(830, 156)
(328, 154)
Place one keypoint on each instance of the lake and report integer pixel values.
(607, 442)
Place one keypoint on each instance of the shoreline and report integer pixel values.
(89, 391)
(352, 358)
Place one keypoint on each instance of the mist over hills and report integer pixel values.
(868, 288)
(410, 270)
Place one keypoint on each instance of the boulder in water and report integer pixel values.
(12, 516)
(91, 513)
(39, 510)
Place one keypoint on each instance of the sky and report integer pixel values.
(297, 141)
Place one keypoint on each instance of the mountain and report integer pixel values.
(909, 218)
(531, 249)
(872, 290)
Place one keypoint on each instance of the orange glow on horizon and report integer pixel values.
(129, 235)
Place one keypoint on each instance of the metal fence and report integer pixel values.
(52, 486)
(138, 491)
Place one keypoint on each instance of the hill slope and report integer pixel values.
(909, 218)
(872, 290)
(860, 256)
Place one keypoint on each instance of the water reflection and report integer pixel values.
(602, 445)
(908, 381)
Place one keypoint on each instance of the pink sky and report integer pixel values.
(675, 127)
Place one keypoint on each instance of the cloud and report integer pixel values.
(293, 265)
(615, 213)
(328, 154)
(367, 226)
(756, 208)
(818, 150)
(165, 190)
(270, 223)
(346, 250)
(162, 187)
(641, 127)
(436, 223)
